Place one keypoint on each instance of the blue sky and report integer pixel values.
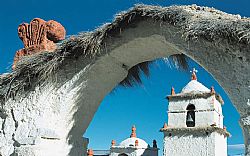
(147, 101)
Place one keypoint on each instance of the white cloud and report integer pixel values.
(236, 147)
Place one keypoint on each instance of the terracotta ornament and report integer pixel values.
(165, 126)
(90, 152)
(172, 91)
(212, 91)
(113, 143)
(133, 134)
(38, 36)
(136, 143)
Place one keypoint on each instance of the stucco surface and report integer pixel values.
(181, 139)
(54, 115)
(131, 142)
(207, 112)
(195, 144)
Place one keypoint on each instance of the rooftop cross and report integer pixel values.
(194, 71)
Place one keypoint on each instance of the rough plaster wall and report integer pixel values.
(202, 119)
(39, 124)
(220, 145)
(200, 104)
(194, 145)
(207, 112)
(148, 40)
(177, 119)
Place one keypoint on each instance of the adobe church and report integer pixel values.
(195, 122)
(132, 146)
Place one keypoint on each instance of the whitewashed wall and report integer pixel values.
(198, 144)
(220, 145)
(207, 112)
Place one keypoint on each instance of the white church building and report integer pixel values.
(132, 146)
(195, 122)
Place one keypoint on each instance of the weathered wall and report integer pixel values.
(40, 122)
(200, 144)
(220, 144)
(59, 112)
(207, 112)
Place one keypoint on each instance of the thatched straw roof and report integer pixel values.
(193, 22)
(194, 130)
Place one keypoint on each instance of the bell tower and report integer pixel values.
(195, 122)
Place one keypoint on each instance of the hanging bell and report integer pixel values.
(190, 121)
(189, 118)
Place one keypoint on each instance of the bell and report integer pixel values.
(190, 121)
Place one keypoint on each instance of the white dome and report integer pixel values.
(130, 142)
(194, 87)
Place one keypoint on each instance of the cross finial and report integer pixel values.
(194, 71)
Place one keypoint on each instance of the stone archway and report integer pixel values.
(50, 119)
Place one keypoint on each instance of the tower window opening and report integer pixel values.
(190, 117)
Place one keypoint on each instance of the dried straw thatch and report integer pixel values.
(134, 72)
(193, 130)
(193, 22)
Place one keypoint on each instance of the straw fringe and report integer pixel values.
(191, 20)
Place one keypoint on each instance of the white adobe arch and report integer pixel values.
(53, 117)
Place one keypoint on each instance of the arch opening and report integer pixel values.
(190, 108)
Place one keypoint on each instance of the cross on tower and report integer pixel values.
(194, 71)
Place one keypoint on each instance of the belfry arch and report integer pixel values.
(87, 67)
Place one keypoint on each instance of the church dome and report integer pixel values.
(130, 142)
(133, 141)
(195, 87)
